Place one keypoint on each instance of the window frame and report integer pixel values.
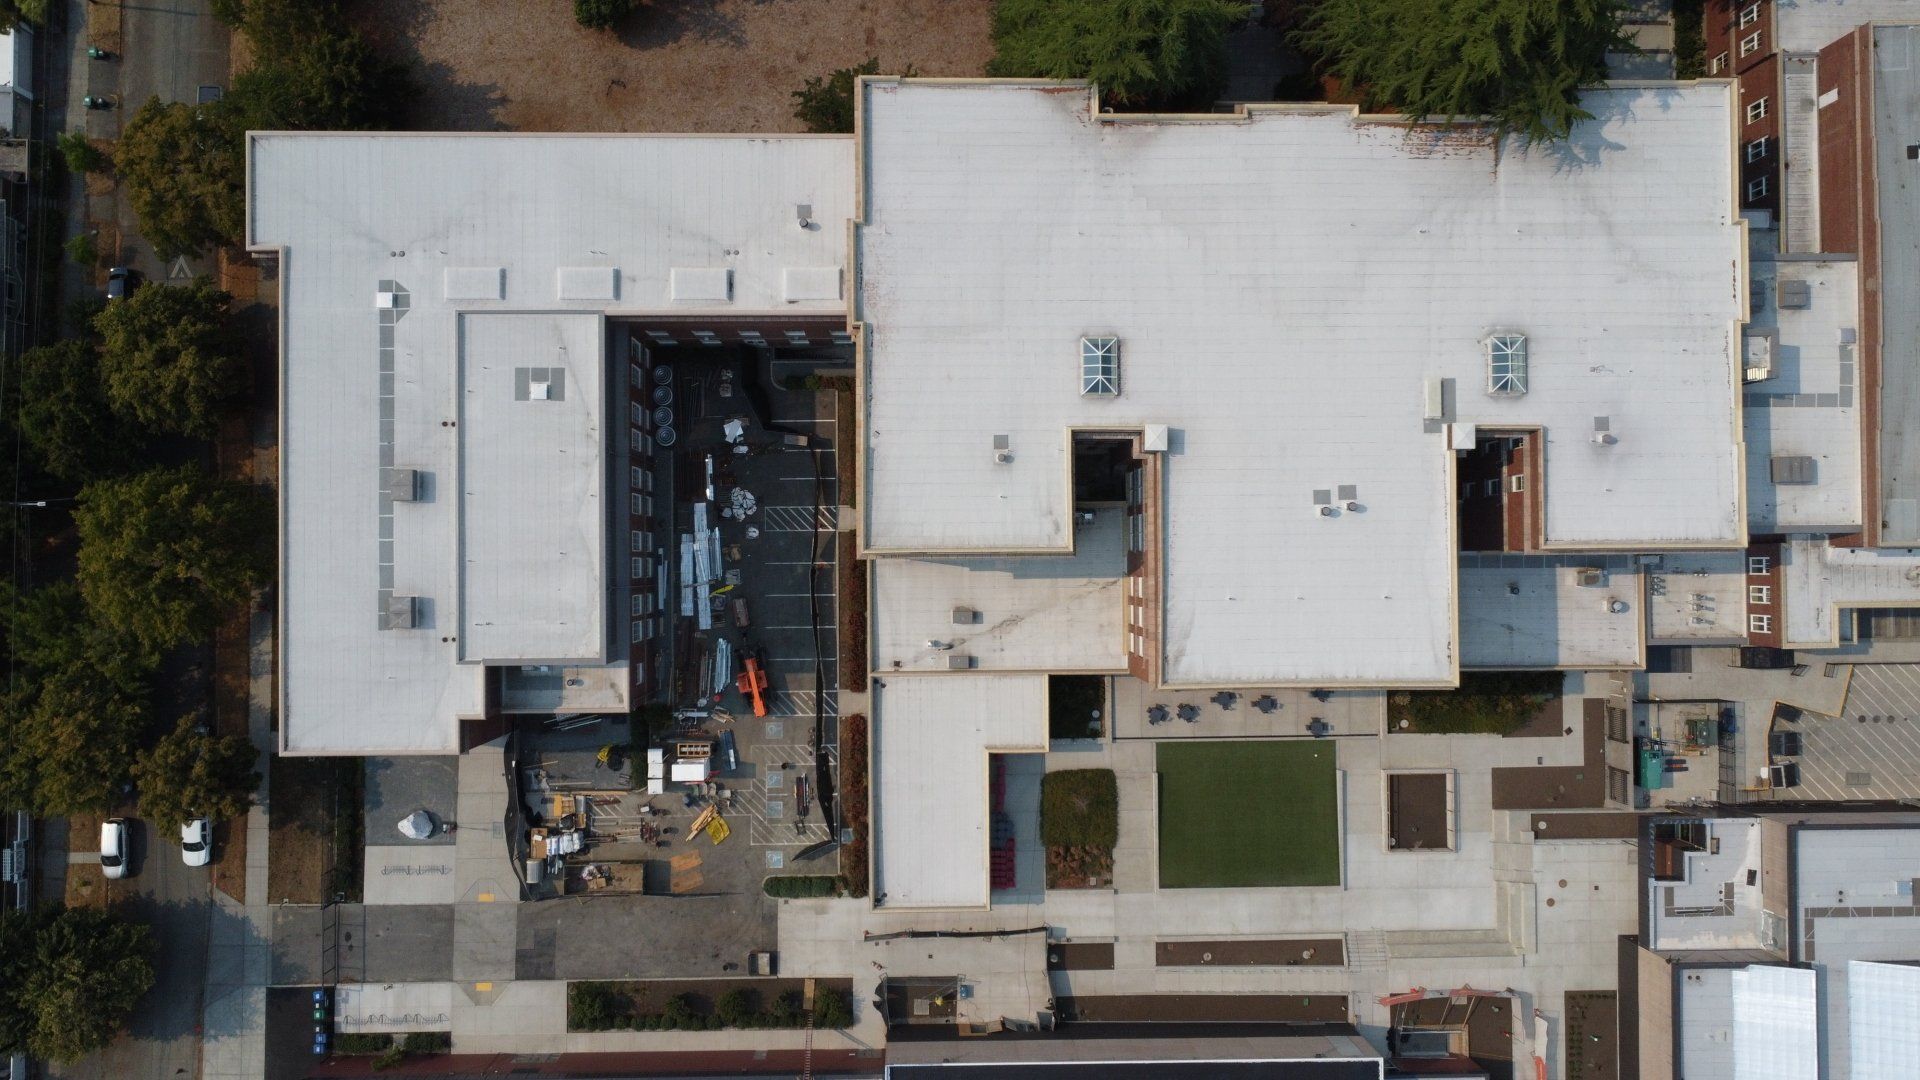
(1718, 65)
(1758, 565)
(1759, 624)
(1756, 110)
(1749, 15)
(1750, 44)
(1760, 595)
(1761, 183)
(1759, 148)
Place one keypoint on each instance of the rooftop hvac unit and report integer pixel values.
(1590, 577)
(402, 612)
(1002, 449)
(1794, 469)
(1793, 294)
(1154, 438)
(1603, 431)
(1003, 457)
(1757, 358)
(403, 485)
(965, 616)
(959, 661)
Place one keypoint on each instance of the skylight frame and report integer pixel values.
(1506, 364)
(1100, 366)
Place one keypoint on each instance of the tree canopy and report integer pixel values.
(183, 170)
(65, 418)
(76, 708)
(68, 979)
(168, 356)
(601, 14)
(166, 553)
(1518, 63)
(1143, 53)
(825, 105)
(189, 773)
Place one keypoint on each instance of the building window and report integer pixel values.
(1757, 149)
(1719, 64)
(1517, 483)
(1749, 16)
(1756, 111)
(1760, 624)
(1492, 488)
(1756, 188)
(1759, 565)
(1136, 532)
(1759, 594)
(1750, 44)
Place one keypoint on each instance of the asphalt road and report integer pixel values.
(163, 1036)
(168, 49)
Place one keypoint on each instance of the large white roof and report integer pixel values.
(557, 229)
(1810, 407)
(931, 814)
(1807, 26)
(1283, 286)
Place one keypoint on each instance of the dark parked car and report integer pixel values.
(122, 280)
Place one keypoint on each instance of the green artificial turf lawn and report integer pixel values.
(1248, 813)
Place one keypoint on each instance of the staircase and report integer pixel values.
(1366, 950)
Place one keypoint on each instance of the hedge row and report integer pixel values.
(853, 803)
(801, 886)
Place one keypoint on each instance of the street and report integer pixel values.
(163, 1034)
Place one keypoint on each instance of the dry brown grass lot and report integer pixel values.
(674, 65)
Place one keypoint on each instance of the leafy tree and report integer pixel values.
(832, 1009)
(600, 14)
(78, 737)
(64, 414)
(184, 172)
(737, 1007)
(82, 251)
(68, 979)
(165, 553)
(826, 105)
(1142, 53)
(189, 773)
(1518, 63)
(15, 12)
(50, 630)
(80, 153)
(331, 80)
(169, 357)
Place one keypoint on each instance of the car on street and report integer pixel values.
(196, 842)
(115, 848)
(122, 280)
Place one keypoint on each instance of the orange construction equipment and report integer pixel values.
(751, 682)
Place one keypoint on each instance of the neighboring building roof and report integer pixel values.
(1044, 613)
(1896, 127)
(1805, 26)
(1853, 899)
(1179, 1054)
(1776, 1025)
(1715, 908)
(1698, 596)
(931, 738)
(1550, 611)
(1803, 423)
(1283, 285)
(1820, 581)
(1883, 1000)
(543, 234)
(531, 482)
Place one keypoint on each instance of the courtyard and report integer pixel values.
(1237, 814)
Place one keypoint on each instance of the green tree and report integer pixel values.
(65, 418)
(832, 1009)
(189, 773)
(78, 737)
(80, 153)
(68, 979)
(826, 105)
(601, 14)
(50, 629)
(1519, 64)
(329, 80)
(1142, 53)
(169, 357)
(82, 251)
(15, 12)
(166, 553)
(184, 172)
(737, 1007)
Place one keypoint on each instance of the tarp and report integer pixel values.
(418, 825)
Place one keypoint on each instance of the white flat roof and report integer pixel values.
(931, 737)
(1820, 581)
(1806, 26)
(1883, 999)
(577, 225)
(1531, 611)
(1283, 285)
(1693, 914)
(1776, 1026)
(1851, 905)
(1049, 613)
(532, 487)
(1698, 596)
(1810, 407)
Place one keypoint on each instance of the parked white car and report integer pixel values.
(114, 847)
(196, 842)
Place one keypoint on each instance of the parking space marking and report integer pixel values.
(799, 518)
(802, 702)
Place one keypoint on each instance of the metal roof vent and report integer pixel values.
(1603, 431)
(1793, 294)
(403, 613)
(1795, 469)
(1507, 365)
(1002, 450)
(1100, 366)
(403, 485)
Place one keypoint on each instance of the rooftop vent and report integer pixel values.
(1797, 469)
(1590, 577)
(539, 384)
(965, 616)
(402, 612)
(1758, 361)
(1603, 431)
(403, 485)
(1790, 293)
(1100, 366)
(1507, 365)
(1002, 450)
